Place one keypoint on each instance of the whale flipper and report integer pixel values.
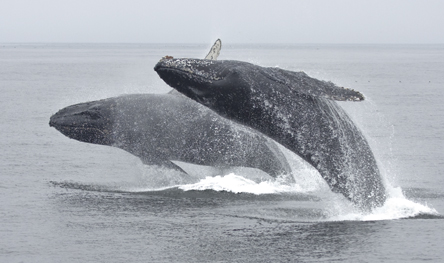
(283, 163)
(304, 84)
(214, 51)
(162, 162)
(174, 92)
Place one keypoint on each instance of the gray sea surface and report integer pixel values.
(67, 201)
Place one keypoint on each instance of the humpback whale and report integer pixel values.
(160, 128)
(292, 108)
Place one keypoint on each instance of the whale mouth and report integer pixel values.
(72, 128)
(84, 134)
(59, 121)
(81, 130)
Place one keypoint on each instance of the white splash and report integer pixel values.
(238, 184)
(397, 206)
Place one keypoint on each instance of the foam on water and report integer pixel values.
(238, 184)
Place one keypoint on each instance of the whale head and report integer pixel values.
(87, 122)
(215, 84)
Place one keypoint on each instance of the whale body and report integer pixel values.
(160, 128)
(292, 108)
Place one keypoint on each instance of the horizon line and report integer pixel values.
(231, 43)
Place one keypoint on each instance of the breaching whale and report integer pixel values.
(160, 128)
(292, 108)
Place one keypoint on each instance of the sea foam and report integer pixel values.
(238, 184)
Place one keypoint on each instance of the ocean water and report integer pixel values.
(67, 201)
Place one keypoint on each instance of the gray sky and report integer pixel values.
(234, 21)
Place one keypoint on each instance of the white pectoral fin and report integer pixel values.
(214, 51)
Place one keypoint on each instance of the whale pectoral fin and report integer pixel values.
(175, 92)
(174, 167)
(280, 157)
(163, 163)
(304, 84)
(214, 51)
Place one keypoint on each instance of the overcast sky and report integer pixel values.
(234, 21)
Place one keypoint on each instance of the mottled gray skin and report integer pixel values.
(292, 108)
(162, 128)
